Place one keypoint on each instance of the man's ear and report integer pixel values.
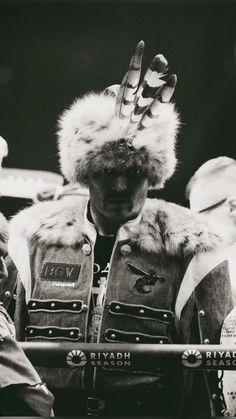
(231, 202)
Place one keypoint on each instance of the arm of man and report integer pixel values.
(18, 375)
(206, 286)
(228, 337)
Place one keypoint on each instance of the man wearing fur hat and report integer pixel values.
(118, 267)
(212, 192)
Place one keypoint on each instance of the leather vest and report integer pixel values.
(56, 271)
(139, 303)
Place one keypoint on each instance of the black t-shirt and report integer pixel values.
(102, 255)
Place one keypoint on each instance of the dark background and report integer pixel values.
(51, 53)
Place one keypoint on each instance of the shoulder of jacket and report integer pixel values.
(52, 222)
(177, 230)
(164, 226)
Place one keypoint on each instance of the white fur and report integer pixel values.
(163, 227)
(92, 119)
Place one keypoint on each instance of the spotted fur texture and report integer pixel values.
(89, 135)
(164, 227)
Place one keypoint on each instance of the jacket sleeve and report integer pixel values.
(8, 279)
(18, 374)
(21, 318)
(228, 337)
(19, 254)
(14, 304)
(214, 302)
(207, 285)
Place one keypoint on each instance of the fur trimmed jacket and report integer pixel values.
(168, 283)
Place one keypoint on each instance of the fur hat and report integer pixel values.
(212, 183)
(125, 127)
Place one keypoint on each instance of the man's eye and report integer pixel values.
(106, 171)
(136, 172)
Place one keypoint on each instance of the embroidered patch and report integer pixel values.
(65, 272)
(145, 283)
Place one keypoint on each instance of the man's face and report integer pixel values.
(118, 195)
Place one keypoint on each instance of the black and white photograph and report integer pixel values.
(117, 208)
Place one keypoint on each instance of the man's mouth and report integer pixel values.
(120, 200)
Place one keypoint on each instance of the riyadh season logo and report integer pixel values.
(220, 359)
(110, 359)
(191, 358)
(76, 358)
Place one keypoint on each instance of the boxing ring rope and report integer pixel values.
(142, 357)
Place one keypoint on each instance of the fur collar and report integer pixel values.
(163, 226)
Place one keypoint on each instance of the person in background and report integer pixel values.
(53, 193)
(211, 191)
(116, 267)
(21, 389)
(22, 392)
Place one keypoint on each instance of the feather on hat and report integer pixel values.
(126, 126)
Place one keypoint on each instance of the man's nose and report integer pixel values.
(120, 183)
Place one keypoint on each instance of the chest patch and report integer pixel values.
(145, 282)
(65, 272)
